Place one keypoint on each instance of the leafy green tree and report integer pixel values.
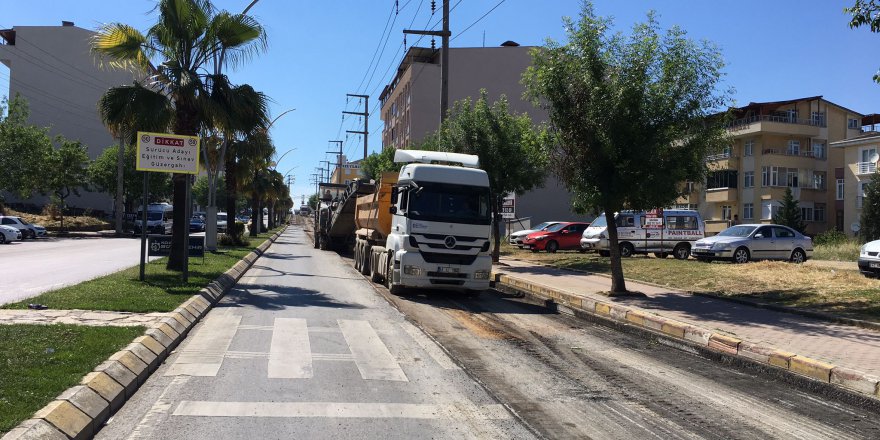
(870, 217)
(184, 51)
(66, 171)
(508, 145)
(377, 163)
(789, 213)
(313, 201)
(23, 147)
(631, 116)
(865, 13)
(103, 176)
(200, 191)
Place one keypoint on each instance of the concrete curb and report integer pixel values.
(848, 379)
(80, 411)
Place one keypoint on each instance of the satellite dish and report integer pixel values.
(874, 158)
(855, 227)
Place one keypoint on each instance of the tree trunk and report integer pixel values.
(618, 284)
(255, 207)
(231, 188)
(272, 215)
(180, 223)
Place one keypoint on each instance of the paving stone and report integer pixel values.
(123, 376)
(153, 345)
(811, 368)
(855, 380)
(132, 363)
(89, 402)
(724, 343)
(106, 387)
(67, 418)
(34, 429)
(145, 354)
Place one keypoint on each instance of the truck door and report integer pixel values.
(628, 232)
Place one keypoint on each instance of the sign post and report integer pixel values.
(167, 153)
(654, 220)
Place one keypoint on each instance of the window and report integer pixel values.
(867, 153)
(749, 148)
(688, 187)
(783, 232)
(794, 148)
(721, 179)
(625, 221)
(792, 115)
(819, 212)
(852, 123)
(749, 180)
(819, 150)
(680, 222)
(807, 214)
(769, 176)
(819, 180)
(769, 209)
(748, 211)
(840, 189)
(725, 212)
(818, 118)
(791, 178)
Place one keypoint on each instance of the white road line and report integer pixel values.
(153, 417)
(255, 327)
(431, 347)
(204, 353)
(290, 355)
(339, 410)
(332, 357)
(372, 357)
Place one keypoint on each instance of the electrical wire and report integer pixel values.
(478, 20)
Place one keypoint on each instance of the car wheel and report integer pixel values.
(741, 255)
(2, 238)
(605, 254)
(798, 256)
(626, 250)
(661, 254)
(552, 247)
(681, 252)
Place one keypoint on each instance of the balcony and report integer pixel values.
(866, 167)
(782, 151)
(776, 124)
(723, 161)
(721, 195)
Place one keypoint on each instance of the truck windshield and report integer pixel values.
(444, 202)
(599, 222)
(154, 215)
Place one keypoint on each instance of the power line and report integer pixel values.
(479, 19)
(377, 48)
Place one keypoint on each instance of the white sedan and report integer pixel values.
(869, 259)
(8, 234)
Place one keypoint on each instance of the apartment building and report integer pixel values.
(53, 69)
(775, 146)
(860, 160)
(346, 171)
(411, 107)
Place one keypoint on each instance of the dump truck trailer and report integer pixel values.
(427, 226)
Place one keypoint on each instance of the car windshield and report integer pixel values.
(737, 231)
(450, 203)
(221, 217)
(154, 215)
(555, 227)
(541, 226)
(599, 222)
(23, 221)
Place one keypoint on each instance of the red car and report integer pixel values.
(566, 235)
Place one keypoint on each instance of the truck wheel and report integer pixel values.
(317, 240)
(357, 257)
(375, 275)
(681, 252)
(325, 243)
(389, 279)
(626, 250)
(365, 259)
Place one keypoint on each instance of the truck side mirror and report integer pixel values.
(392, 210)
(394, 193)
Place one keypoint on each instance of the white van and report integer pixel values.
(160, 219)
(676, 235)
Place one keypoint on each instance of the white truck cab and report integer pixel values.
(675, 235)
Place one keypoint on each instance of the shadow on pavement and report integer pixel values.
(273, 297)
(488, 302)
(281, 273)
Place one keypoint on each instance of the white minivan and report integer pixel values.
(160, 219)
(676, 235)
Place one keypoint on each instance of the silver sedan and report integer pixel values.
(743, 243)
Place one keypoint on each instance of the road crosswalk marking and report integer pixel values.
(371, 356)
(204, 353)
(342, 410)
(290, 354)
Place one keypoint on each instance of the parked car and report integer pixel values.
(243, 219)
(221, 222)
(8, 233)
(517, 237)
(197, 224)
(561, 236)
(675, 234)
(869, 259)
(27, 230)
(160, 219)
(743, 243)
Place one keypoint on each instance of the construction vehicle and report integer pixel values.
(427, 226)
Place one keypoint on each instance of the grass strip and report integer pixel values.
(840, 292)
(162, 290)
(39, 362)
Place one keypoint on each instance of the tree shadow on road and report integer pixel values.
(274, 297)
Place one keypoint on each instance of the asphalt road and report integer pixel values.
(307, 348)
(30, 267)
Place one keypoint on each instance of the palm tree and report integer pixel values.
(190, 43)
(274, 194)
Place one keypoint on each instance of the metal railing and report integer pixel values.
(718, 157)
(787, 152)
(867, 167)
(745, 122)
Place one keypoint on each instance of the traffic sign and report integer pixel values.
(508, 206)
(167, 153)
(654, 219)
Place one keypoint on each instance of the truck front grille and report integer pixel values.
(438, 258)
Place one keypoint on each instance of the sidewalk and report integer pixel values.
(840, 345)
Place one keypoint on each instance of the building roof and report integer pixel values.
(864, 138)
(762, 107)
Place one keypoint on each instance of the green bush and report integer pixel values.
(831, 236)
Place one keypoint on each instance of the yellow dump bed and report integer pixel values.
(372, 218)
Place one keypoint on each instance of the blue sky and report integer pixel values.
(319, 51)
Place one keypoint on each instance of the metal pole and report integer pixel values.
(144, 226)
(366, 123)
(444, 67)
(120, 159)
(187, 216)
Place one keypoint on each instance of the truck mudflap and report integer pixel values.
(411, 270)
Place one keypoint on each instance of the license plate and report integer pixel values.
(447, 269)
(874, 265)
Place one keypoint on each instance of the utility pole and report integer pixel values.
(444, 59)
(365, 114)
(339, 159)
